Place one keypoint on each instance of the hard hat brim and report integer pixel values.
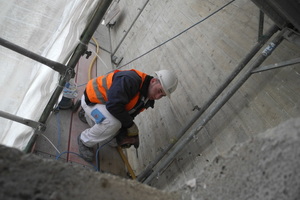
(162, 84)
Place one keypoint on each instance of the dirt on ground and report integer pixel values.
(265, 167)
(26, 176)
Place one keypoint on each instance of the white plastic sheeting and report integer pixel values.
(48, 28)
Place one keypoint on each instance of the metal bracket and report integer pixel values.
(69, 73)
(277, 65)
(293, 36)
(88, 54)
(116, 61)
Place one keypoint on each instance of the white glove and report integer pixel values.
(133, 130)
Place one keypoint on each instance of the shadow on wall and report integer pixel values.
(119, 21)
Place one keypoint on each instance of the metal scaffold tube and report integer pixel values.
(27, 122)
(79, 51)
(265, 53)
(54, 65)
(273, 29)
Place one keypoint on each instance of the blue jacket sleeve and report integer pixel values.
(125, 86)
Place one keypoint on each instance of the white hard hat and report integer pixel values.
(168, 80)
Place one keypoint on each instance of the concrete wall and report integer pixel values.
(203, 57)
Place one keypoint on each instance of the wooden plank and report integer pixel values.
(111, 162)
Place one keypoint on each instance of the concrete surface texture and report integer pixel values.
(203, 58)
(265, 167)
(27, 176)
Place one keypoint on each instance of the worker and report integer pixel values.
(112, 101)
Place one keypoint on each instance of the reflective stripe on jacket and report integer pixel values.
(97, 88)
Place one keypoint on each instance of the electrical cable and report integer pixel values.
(100, 47)
(58, 127)
(93, 60)
(50, 142)
(97, 153)
(81, 85)
(205, 18)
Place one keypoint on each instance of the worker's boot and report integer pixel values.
(81, 115)
(87, 153)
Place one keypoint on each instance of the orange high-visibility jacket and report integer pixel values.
(97, 88)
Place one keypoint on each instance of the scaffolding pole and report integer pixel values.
(182, 143)
(54, 65)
